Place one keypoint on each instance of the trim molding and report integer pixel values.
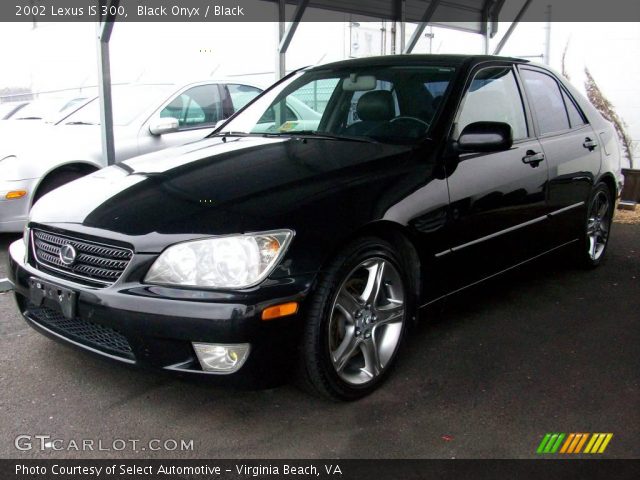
(498, 273)
(508, 230)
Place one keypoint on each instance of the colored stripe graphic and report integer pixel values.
(567, 443)
(598, 443)
(543, 443)
(582, 441)
(572, 443)
(550, 443)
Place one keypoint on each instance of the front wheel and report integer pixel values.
(356, 321)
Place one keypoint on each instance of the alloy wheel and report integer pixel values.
(598, 225)
(366, 321)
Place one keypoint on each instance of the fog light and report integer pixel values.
(220, 358)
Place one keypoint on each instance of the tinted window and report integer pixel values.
(394, 103)
(494, 97)
(575, 117)
(197, 106)
(547, 101)
(380, 85)
(241, 95)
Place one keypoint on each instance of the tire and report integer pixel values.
(349, 345)
(56, 180)
(594, 237)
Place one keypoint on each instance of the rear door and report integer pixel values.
(570, 147)
(497, 200)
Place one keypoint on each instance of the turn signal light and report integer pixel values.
(14, 194)
(281, 310)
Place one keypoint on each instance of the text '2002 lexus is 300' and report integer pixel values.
(283, 245)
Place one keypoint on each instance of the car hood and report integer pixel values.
(40, 142)
(220, 186)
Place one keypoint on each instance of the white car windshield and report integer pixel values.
(49, 109)
(129, 102)
(381, 103)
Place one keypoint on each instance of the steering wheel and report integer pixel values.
(413, 119)
(409, 126)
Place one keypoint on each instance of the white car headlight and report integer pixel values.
(237, 261)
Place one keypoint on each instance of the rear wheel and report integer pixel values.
(356, 321)
(595, 236)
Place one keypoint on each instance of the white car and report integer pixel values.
(36, 157)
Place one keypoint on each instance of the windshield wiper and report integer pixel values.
(325, 135)
(230, 134)
(81, 123)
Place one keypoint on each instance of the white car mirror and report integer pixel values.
(162, 125)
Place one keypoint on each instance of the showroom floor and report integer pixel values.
(543, 349)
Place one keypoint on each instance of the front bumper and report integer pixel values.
(14, 213)
(159, 324)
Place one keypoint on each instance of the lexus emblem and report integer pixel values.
(68, 254)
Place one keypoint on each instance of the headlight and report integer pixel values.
(237, 261)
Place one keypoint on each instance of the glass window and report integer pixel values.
(393, 104)
(493, 96)
(380, 85)
(575, 117)
(196, 107)
(129, 102)
(316, 95)
(241, 95)
(547, 102)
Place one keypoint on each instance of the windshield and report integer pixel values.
(48, 109)
(384, 103)
(128, 102)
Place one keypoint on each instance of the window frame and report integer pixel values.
(561, 89)
(528, 115)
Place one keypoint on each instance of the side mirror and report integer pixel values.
(162, 125)
(485, 137)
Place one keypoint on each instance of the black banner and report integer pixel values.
(472, 11)
(319, 469)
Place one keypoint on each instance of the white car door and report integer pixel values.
(197, 109)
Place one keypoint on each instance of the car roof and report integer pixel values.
(412, 59)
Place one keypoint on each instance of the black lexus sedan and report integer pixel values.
(306, 244)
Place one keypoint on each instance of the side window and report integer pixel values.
(546, 100)
(197, 107)
(241, 95)
(493, 96)
(575, 117)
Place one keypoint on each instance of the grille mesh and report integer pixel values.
(94, 263)
(91, 334)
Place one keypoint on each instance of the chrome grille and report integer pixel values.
(95, 263)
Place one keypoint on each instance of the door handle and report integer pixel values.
(590, 144)
(533, 158)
